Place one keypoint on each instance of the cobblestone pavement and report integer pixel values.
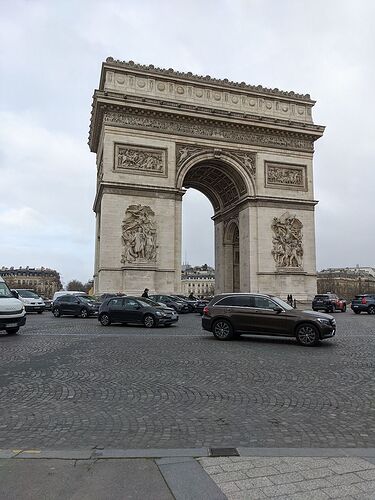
(293, 478)
(70, 383)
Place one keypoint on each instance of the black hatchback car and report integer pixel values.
(229, 315)
(75, 305)
(135, 310)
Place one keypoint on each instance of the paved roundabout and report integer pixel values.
(71, 383)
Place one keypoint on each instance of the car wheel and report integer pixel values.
(223, 330)
(104, 319)
(307, 335)
(371, 310)
(56, 312)
(344, 309)
(12, 331)
(84, 313)
(149, 321)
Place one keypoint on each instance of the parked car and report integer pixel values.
(30, 299)
(75, 305)
(328, 302)
(104, 296)
(135, 310)
(363, 303)
(66, 292)
(195, 305)
(172, 301)
(48, 303)
(190, 302)
(200, 305)
(12, 310)
(229, 315)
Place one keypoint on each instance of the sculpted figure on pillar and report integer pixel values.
(139, 235)
(287, 241)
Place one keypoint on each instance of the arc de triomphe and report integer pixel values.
(249, 149)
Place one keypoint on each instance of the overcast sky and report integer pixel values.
(50, 60)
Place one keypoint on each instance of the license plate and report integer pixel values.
(11, 325)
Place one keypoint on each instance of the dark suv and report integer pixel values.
(75, 305)
(229, 315)
(176, 303)
(328, 302)
(363, 303)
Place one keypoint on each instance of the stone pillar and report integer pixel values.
(219, 257)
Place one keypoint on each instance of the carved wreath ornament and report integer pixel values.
(287, 241)
(139, 235)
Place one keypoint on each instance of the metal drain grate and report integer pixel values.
(223, 452)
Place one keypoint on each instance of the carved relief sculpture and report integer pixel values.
(186, 151)
(287, 241)
(143, 160)
(284, 175)
(139, 235)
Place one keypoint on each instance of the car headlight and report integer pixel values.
(325, 321)
(159, 313)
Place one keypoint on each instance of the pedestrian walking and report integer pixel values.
(145, 293)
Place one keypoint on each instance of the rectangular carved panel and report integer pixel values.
(140, 160)
(285, 176)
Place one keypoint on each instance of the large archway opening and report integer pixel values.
(225, 188)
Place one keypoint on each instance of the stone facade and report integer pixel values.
(45, 282)
(249, 149)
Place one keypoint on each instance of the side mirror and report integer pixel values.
(278, 309)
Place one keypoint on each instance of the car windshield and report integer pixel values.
(5, 293)
(283, 304)
(321, 296)
(27, 294)
(147, 302)
(87, 298)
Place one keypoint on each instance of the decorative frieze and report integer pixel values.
(140, 160)
(287, 241)
(223, 131)
(207, 92)
(139, 235)
(285, 176)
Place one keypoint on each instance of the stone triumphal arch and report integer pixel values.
(249, 149)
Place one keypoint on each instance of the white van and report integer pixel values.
(30, 299)
(66, 292)
(12, 310)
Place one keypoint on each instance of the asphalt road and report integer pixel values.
(71, 383)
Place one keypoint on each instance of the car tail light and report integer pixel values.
(205, 310)
(364, 301)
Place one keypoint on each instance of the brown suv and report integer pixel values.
(229, 315)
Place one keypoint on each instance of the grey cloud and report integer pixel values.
(50, 57)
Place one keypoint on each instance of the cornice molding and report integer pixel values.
(180, 75)
(193, 126)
